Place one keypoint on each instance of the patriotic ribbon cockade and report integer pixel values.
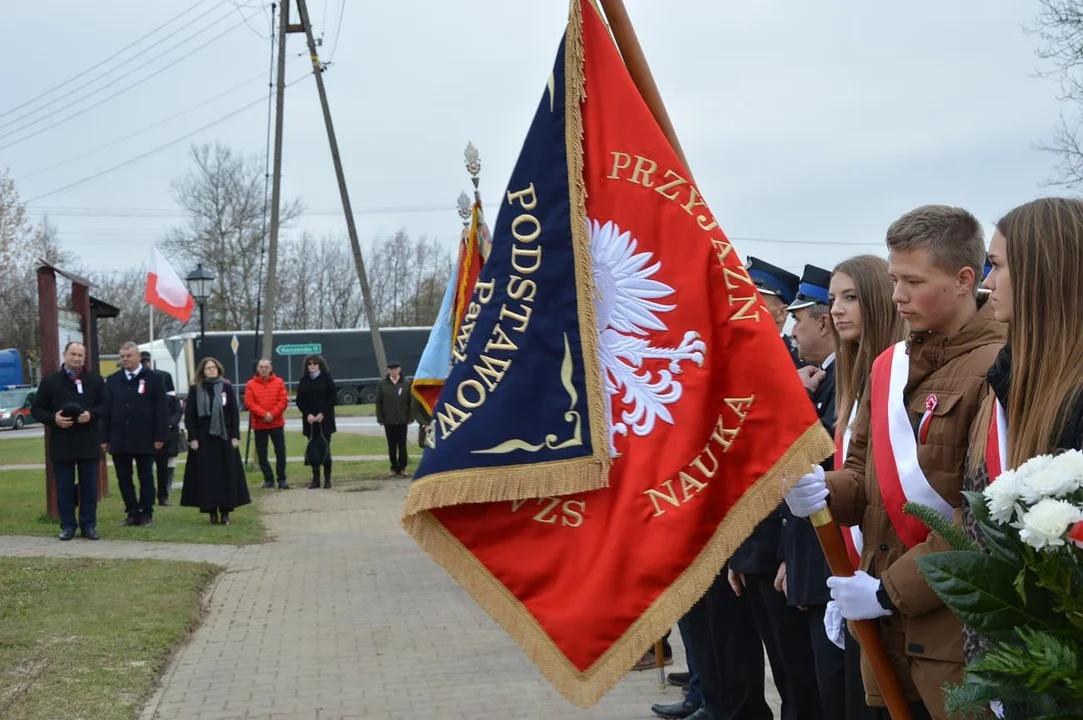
(624, 411)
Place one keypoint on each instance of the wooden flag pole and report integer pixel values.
(868, 632)
(636, 62)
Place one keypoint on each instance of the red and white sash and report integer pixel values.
(996, 443)
(851, 536)
(895, 448)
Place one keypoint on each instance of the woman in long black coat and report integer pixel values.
(214, 479)
(316, 398)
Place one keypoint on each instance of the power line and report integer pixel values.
(116, 94)
(95, 91)
(95, 67)
(382, 210)
(240, 9)
(174, 116)
(155, 150)
(119, 92)
(338, 29)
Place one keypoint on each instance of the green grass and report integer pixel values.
(89, 638)
(341, 444)
(341, 411)
(22, 506)
(22, 451)
(22, 512)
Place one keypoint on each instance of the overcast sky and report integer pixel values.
(809, 126)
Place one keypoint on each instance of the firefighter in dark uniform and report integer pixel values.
(778, 288)
(726, 646)
(754, 567)
(805, 572)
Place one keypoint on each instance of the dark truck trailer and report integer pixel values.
(349, 354)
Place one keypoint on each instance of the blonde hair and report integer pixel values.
(1044, 240)
(881, 327)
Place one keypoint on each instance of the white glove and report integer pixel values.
(834, 625)
(809, 494)
(855, 596)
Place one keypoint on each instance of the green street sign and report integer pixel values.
(309, 349)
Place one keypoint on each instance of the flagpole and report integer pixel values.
(151, 309)
(867, 631)
(620, 24)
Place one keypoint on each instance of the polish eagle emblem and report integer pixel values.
(626, 302)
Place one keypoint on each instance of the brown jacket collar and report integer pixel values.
(929, 351)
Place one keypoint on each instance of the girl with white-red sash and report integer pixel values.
(865, 324)
(1034, 404)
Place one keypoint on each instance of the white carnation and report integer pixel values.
(1050, 476)
(1045, 524)
(1071, 465)
(1035, 465)
(1003, 495)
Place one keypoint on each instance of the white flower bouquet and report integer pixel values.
(1020, 588)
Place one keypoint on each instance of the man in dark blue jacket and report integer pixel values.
(70, 403)
(727, 623)
(134, 430)
(804, 570)
(754, 566)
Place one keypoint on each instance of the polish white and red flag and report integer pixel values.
(165, 290)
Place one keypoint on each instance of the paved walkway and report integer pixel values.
(343, 617)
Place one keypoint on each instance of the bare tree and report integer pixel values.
(1059, 25)
(317, 289)
(223, 197)
(408, 279)
(316, 286)
(22, 246)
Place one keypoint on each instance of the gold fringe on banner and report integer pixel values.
(585, 689)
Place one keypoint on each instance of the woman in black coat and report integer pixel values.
(214, 479)
(316, 397)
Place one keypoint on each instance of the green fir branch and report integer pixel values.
(1041, 663)
(943, 527)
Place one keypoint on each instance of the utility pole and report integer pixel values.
(276, 184)
(370, 311)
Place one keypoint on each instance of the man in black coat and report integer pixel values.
(134, 430)
(163, 469)
(70, 403)
(804, 570)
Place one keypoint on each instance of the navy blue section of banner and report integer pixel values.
(517, 394)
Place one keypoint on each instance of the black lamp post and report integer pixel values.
(200, 283)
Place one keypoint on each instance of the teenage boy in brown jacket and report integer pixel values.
(910, 443)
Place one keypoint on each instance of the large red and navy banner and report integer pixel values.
(624, 411)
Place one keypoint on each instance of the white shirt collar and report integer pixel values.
(827, 363)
